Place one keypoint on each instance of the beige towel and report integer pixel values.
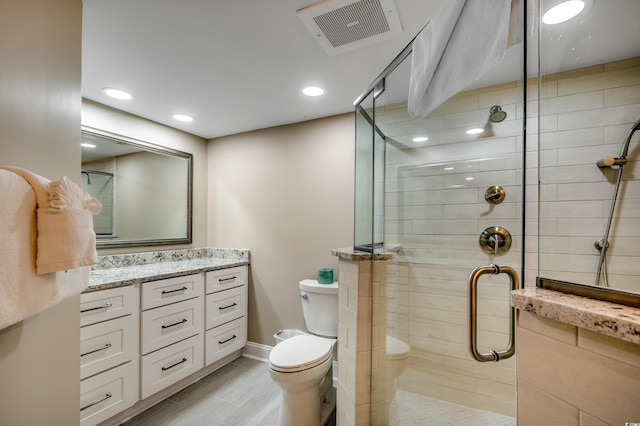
(23, 292)
(65, 236)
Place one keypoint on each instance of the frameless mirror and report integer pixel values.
(145, 190)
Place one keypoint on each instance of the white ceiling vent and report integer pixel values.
(344, 25)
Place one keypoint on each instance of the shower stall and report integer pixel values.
(452, 196)
(445, 194)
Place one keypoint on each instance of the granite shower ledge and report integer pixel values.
(129, 269)
(611, 319)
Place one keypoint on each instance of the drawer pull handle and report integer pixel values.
(105, 306)
(228, 340)
(96, 402)
(174, 291)
(227, 307)
(228, 279)
(175, 323)
(174, 365)
(107, 346)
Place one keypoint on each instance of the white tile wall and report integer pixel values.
(585, 115)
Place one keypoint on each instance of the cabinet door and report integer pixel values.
(103, 305)
(171, 364)
(108, 344)
(168, 324)
(225, 339)
(171, 290)
(223, 279)
(224, 306)
(108, 393)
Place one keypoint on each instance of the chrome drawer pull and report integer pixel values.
(227, 307)
(91, 404)
(105, 306)
(228, 340)
(174, 324)
(228, 279)
(174, 291)
(107, 346)
(174, 365)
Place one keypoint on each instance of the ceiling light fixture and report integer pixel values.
(475, 131)
(562, 12)
(117, 94)
(313, 91)
(183, 117)
(87, 145)
(420, 139)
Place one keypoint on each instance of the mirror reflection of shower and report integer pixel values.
(100, 185)
(602, 245)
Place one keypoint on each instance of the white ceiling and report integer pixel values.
(236, 65)
(239, 65)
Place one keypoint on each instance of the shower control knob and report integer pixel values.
(495, 241)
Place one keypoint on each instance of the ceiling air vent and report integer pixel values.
(344, 25)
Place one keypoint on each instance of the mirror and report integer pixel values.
(145, 190)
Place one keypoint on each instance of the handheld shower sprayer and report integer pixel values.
(603, 244)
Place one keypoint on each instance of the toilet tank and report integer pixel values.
(320, 307)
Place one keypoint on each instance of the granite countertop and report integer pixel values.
(129, 269)
(611, 319)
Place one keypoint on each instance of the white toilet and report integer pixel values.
(302, 364)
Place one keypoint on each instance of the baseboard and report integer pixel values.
(257, 351)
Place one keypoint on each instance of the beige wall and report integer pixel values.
(285, 193)
(40, 45)
(104, 118)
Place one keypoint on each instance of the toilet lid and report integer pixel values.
(396, 349)
(300, 353)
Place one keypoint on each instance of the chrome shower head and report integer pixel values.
(496, 114)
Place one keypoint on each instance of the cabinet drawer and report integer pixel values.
(225, 339)
(108, 393)
(103, 305)
(107, 344)
(224, 306)
(163, 292)
(168, 324)
(223, 279)
(171, 364)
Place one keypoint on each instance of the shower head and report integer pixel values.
(622, 158)
(496, 114)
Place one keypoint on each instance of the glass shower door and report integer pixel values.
(453, 199)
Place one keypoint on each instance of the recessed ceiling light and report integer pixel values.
(182, 117)
(563, 12)
(420, 139)
(117, 94)
(449, 168)
(313, 91)
(475, 131)
(469, 178)
(87, 145)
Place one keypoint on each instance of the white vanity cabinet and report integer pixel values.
(226, 312)
(171, 332)
(109, 354)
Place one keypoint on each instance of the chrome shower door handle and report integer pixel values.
(493, 355)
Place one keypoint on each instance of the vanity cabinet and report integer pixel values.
(226, 312)
(108, 353)
(139, 342)
(171, 332)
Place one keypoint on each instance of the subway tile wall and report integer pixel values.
(585, 115)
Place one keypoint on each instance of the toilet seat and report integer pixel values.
(300, 353)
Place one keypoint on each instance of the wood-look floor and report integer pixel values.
(240, 393)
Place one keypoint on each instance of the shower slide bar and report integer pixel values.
(492, 355)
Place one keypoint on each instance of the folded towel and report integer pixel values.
(23, 292)
(461, 43)
(65, 236)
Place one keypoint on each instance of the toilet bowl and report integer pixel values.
(300, 366)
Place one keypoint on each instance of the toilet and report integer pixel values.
(302, 365)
